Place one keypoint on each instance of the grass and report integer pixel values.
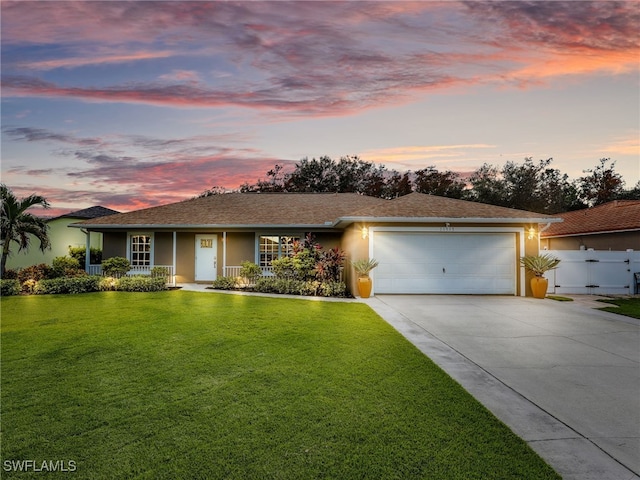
(203, 385)
(629, 307)
(559, 298)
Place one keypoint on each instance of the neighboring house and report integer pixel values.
(424, 243)
(598, 248)
(61, 238)
(611, 226)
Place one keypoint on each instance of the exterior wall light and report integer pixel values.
(532, 233)
(365, 232)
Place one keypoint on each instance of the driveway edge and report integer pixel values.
(572, 455)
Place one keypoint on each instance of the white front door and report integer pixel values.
(206, 257)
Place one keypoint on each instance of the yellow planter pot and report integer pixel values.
(539, 287)
(364, 286)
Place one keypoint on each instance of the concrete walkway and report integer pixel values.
(563, 376)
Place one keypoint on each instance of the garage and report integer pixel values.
(444, 262)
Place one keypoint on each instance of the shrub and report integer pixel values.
(141, 283)
(304, 263)
(329, 267)
(309, 288)
(36, 272)
(79, 253)
(87, 283)
(283, 267)
(9, 287)
(333, 289)
(28, 286)
(67, 267)
(285, 286)
(107, 284)
(10, 274)
(160, 272)
(250, 271)
(291, 286)
(225, 283)
(115, 266)
(266, 285)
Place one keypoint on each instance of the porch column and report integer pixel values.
(175, 246)
(87, 250)
(224, 254)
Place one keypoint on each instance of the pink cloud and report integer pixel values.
(157, 171)
(305, 58)
(81, 61)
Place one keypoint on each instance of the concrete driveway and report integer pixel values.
(561, 375)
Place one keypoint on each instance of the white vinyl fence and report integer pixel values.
(593, 272)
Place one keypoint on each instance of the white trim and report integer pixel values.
(174, 256)
(87, 251)
(151, 253)
(456, 230)
(205, 227)
(224, 253)
(271, 233)
(456, 220)
(198, 238)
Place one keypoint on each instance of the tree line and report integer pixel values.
(530, 185)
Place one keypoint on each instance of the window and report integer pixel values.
(272, 247)
(140, 250)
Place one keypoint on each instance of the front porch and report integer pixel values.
(139, 270)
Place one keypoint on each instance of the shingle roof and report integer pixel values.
(616, 216)
(244, 209)
(303, 209)
(419, 205)
(91, 212)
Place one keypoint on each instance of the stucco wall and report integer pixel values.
(115, 245)
(163, 248)
(241, 247)
(604, 241)
(185, 257)
(356, 248)
(61, 237)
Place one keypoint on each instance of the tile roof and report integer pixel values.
(619, 215)
(304, 209)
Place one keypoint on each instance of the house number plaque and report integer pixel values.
(206, 243)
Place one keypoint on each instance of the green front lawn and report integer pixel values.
(625, 306)
(203, 385)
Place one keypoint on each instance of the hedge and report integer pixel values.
(141, 284)
(300, 287)
(9, 287)
(88, 283)
(225, 283)
(85, 284)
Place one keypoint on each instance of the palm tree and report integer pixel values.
(16, 225)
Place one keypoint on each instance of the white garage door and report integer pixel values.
(446, 263)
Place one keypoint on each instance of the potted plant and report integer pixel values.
(362, 268)
(538, 265)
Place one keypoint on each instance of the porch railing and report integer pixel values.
(139, 270)
(234, 271)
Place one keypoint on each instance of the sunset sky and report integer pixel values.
(133, 104)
